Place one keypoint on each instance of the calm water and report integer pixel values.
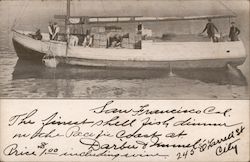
(22, 79)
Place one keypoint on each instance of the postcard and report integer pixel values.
(124, 80)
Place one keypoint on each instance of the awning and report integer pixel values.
(168, 9)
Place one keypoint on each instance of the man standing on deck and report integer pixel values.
(234, 32)
(210, 28)
(56, 31)
(139, 28)
(51, 30)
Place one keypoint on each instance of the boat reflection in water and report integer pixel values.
(28, 69)
(25, 69)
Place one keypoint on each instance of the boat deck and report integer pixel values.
(165, 38)
(186, 38)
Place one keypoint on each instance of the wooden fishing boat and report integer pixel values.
(194, 52)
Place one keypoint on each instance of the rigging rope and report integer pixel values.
(20, 14)
(104, 10)
(229, 20)
(227, 8)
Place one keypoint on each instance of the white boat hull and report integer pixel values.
(180, 55)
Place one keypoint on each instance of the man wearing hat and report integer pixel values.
(56, 31)
(51, 30)
(210, 28)
(234, 32)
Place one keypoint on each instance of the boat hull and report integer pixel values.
(36, 53)
(27, 53)
(183, 64)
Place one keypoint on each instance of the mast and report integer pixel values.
(67, 25)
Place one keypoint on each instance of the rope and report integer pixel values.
(228, 8)
(48, 56)
(20, 14)
(105, 11)
(229, 20)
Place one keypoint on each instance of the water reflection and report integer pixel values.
(222, 76)
(25, 69)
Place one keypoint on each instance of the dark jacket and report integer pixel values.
(233, 34)
(52, 30)
(210, 28)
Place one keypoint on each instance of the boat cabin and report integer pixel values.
(112, 32)
(84, 32)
